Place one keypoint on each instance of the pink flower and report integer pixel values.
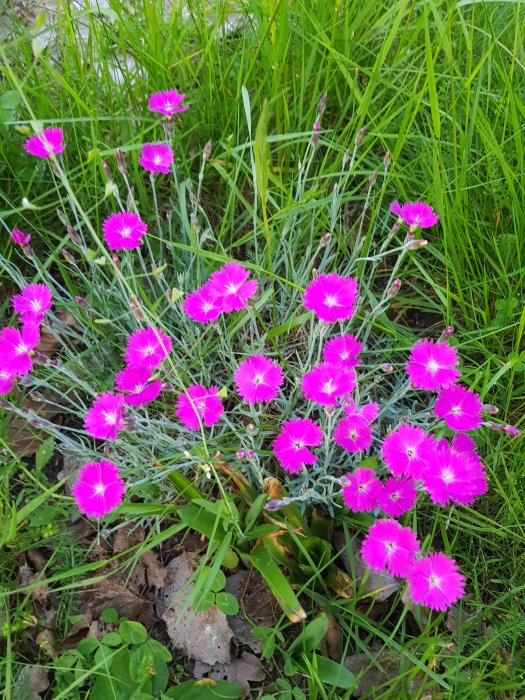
(454, 476)
(7, 380)
(19, 237)
(16, 347)
(156, 157)
(104, 418)
(291, 445)
(435, 581)
(459, 407)
(331, 297)
(463, 443)
(33, 302)
(390, 547)
(258, 379)
(98, 489)
(123, 230)
(199, 402)
(343, 350)
(48, 142)
(324, 383)
(407, 451)
(358, 490)
(146, 348)
(137, 382)
(369, 411)
(432, 365)
(202, 304)
(395, 496)
(353, 434)
(415, 214)
(231, 286)
(167, 102)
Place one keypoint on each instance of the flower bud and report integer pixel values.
(81, 302)
(387, 160)
(62, 217)
(346, 158)
(415, 244)
(187, 454)
(240, 454)
(110, 189)
(130, 201)
(207, 150)
(511, 430)
(446, 333)
(250, 454)
(67, 256)
(394, 289)
(135, 310)
(121, 163)
(250, 427)
(372, 178)
(325, 240)
(316, 126)
(74, 236)
(360, 136)
(387, 368)
(489, 408)
(107, 171)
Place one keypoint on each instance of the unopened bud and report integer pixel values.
(387, 160)
(315, 273)
(511, 430)
(322, 104)
(316, 126)
(26, 204)
(121, 162)
(240, 454)
(250, 454)
(489, 408)
(325, 240)
(250, 427)
(346, 158)
(207, 150)
(107, 171)
(276, 504)
(73, 235)
(116, 260)
(186, 454)
(62, 217)
(387, 368)
(135, 310)
(81, 302)
(372, 178)
(360, 136)
(501, 428)
(314, 140)
(449, 330)
(67, 256)
(394, 289)
(415, 244)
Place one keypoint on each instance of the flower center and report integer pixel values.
(125, 232)
(331, 300)
(148, 350)
(258, 379)
(327, 387)
(99, 489)
(447, 475)
(434, 581)
(433, 366)
(110, 417)
(157, 160)
(411, 452)
(232, 288)
(352, 434)
(456, 410)
(391, 546)
(21, 349)
(298, 444)
(36, 305)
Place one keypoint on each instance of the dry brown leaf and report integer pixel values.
(377, 677)
(147, 570)
(111, 594)
(255, 603)
(48, 344)
(28, 578)
(331, 642)
(30, 682)
(204, 636)
(243, 670)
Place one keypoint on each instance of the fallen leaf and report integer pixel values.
(111, 594)
(257, 606)
(204, 636)
(30, 682)
(243, 670)
(380, 677)
(331, 642)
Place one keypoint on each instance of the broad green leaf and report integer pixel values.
(277, 583)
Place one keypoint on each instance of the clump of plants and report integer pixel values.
(279, 363)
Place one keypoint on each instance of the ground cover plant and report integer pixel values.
(226, 344)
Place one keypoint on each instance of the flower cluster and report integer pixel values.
(228, 289)
(409, 462)
(17, 345)
(433, 580)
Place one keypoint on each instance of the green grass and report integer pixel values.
(441, 87)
